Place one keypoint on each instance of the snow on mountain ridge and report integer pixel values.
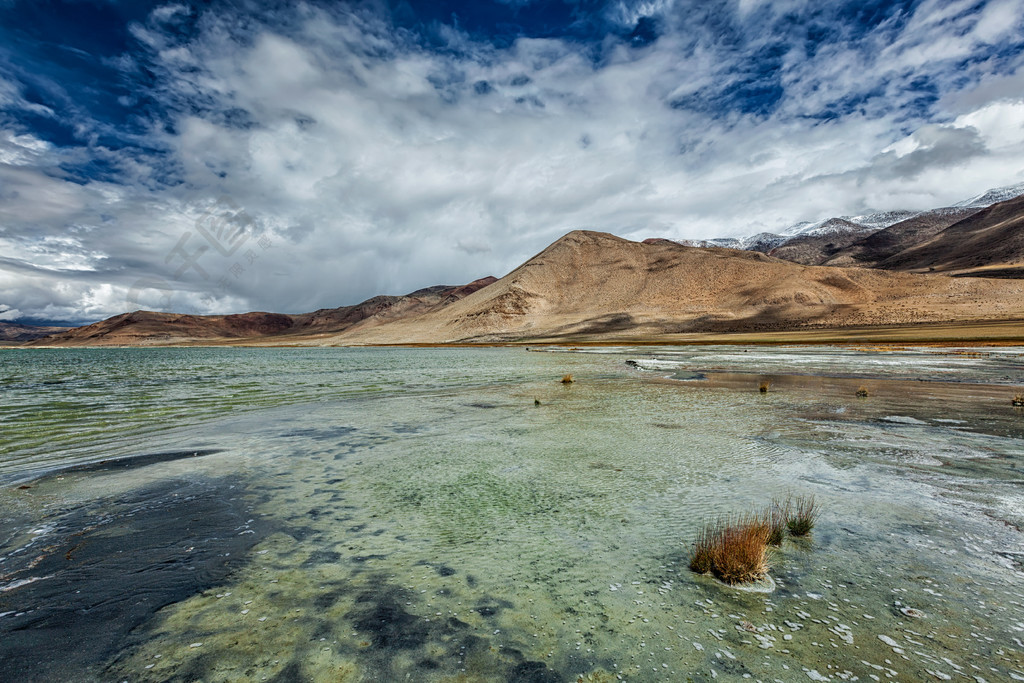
(863, 224)
(828, 226)
(762, 241)
(993, 196)
(880, 220)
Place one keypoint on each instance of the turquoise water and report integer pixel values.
(416, 514)
(77, 405)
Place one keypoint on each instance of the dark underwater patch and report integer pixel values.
(133, 461)
(108, 568)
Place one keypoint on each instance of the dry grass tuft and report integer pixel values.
(775, 517)
(763, 387)
(803, 515)
(1018, 399)
(733, 550)
(702, 558)
(862, 392)
(567, 379)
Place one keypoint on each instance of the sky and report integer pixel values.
(235, 155)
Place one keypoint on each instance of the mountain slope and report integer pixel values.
(989, 242)
(868, 250)
(15, 332)
(994, 196)
(595, 285)
(842, 241)
(815, 248)
(141, 328)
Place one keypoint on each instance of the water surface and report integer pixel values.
(333, 515)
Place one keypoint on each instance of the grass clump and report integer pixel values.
(733, 550)
(764, 386)
(802, 516)
(567, 379)
(775, 517)
(1018, 399)
(862, 392)
(702, 557)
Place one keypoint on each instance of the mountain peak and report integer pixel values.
(993, 196)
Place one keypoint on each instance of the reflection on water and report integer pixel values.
(452, 530)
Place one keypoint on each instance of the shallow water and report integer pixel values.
(414, 515)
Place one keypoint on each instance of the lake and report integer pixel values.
(221, 514)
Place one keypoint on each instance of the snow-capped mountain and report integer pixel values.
(864, 224)
(762, 241)
(994, 196)
(881, 219)
(828, 226)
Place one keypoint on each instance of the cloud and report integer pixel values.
(359, 158)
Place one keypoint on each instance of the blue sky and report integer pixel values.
(240, 155)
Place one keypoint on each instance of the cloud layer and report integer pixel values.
(290, 157)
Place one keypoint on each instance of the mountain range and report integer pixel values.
(814, 243)
(16, 332)
(956, 265)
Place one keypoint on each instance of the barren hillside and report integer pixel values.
(989, 240)
(143, 328)
(596, 285)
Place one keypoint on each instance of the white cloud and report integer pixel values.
(997, 20)
(371, 164)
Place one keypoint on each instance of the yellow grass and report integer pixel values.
(733, 550)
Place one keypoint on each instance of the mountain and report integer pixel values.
(596, 286)
(987, 199)
(816, 246)
(882, 219)
(880, 245)
(152, 328)
(858, 246)
(763, 242)
(989, 243)
(829, 239)
(16, 332)
(591, 285)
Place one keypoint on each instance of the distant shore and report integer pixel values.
(974, 333)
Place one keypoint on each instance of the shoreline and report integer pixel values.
(995, 333)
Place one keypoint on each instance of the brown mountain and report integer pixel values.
(814, 250)
(16, 332)
(590, 285)
(885, 243)
(141, 328)
(595, 286)
(988, 243)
